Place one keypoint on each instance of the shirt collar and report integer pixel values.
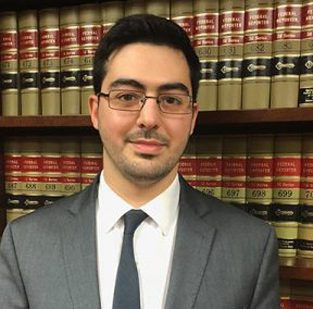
(163, 209)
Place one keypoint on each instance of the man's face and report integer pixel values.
(143, 146)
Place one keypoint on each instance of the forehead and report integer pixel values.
(149, 64)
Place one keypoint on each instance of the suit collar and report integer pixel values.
(193, 244)
(79, 249)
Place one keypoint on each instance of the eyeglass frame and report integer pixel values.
(144, 99)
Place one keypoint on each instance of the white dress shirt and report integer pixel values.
(154, 242)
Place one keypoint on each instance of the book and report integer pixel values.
(306, 58)
(111, 11)
(206, 21)
(91, 159)
(260, 164)
(234, 170)
(158, 7)
(51, 180)
(286, 54)
(231, 35)
(209, 164)
(257, 54)
(29, 62)
(70, 163)
(70, 60)
(9, 81)
(134, 7)
(286, 191)
(49, 55)
(90, 35)
(182, 14)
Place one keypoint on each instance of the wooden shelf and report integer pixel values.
(295, 120)
(296, 268)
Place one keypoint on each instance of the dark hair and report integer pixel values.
(145, 28)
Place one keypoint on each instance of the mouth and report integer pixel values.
(148, 146)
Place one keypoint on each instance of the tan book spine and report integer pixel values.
(29, 62)
(206, 19)
(91, 159)
(306, 59)
(286, 191)
(49, 42)
(256, 70)
(51, 170)
(231, 30)
(31, 186)
(158, 7)
(70, 58)
(13, 173)
(286, 54)
(209, 164)
(234, 169)
(90, 35)
(187, 166)
(134, 7)
(260, 165)
(70, 165)
(111, 11)
(9, 82)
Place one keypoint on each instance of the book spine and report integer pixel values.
(158, 7)
(9, 83)
(91, 159)
(70, 54)
(286, 192)
(110, 12)
(90, 34)
(260, 175)
(70, 166)
(29, 62)
(134, 7)
(51, 171)
(231, 30)
(187, 166)
(31, 184)
(49, 55)
(286, 54)
(306, 59)
(209, 165)
(256, 70)
(13, 174)
(234, 170)
(206, 19)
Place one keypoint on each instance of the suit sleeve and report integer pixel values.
(12, 292)
(266, 292)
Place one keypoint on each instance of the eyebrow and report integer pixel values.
(134, 83)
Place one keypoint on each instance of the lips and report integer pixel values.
(148, 146)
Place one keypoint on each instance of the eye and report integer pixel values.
(127, 96)
(171, 99)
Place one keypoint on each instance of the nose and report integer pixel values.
(149, 115)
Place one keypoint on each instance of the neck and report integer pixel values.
(136, 193)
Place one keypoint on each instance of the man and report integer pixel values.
(190, 250)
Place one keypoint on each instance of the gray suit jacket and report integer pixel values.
(223, 258)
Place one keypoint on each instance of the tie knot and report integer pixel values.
(132, 219)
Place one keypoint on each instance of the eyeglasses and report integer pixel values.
(133, 101)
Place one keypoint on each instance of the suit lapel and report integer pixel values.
(79, 247)
(194, 239)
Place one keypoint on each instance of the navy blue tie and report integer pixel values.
(126, 292)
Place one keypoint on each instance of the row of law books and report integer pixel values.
(254, 54)
(38, 171)
(269, 176)
(296, 294)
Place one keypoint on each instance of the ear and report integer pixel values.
(93, 105)
(195, 111)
